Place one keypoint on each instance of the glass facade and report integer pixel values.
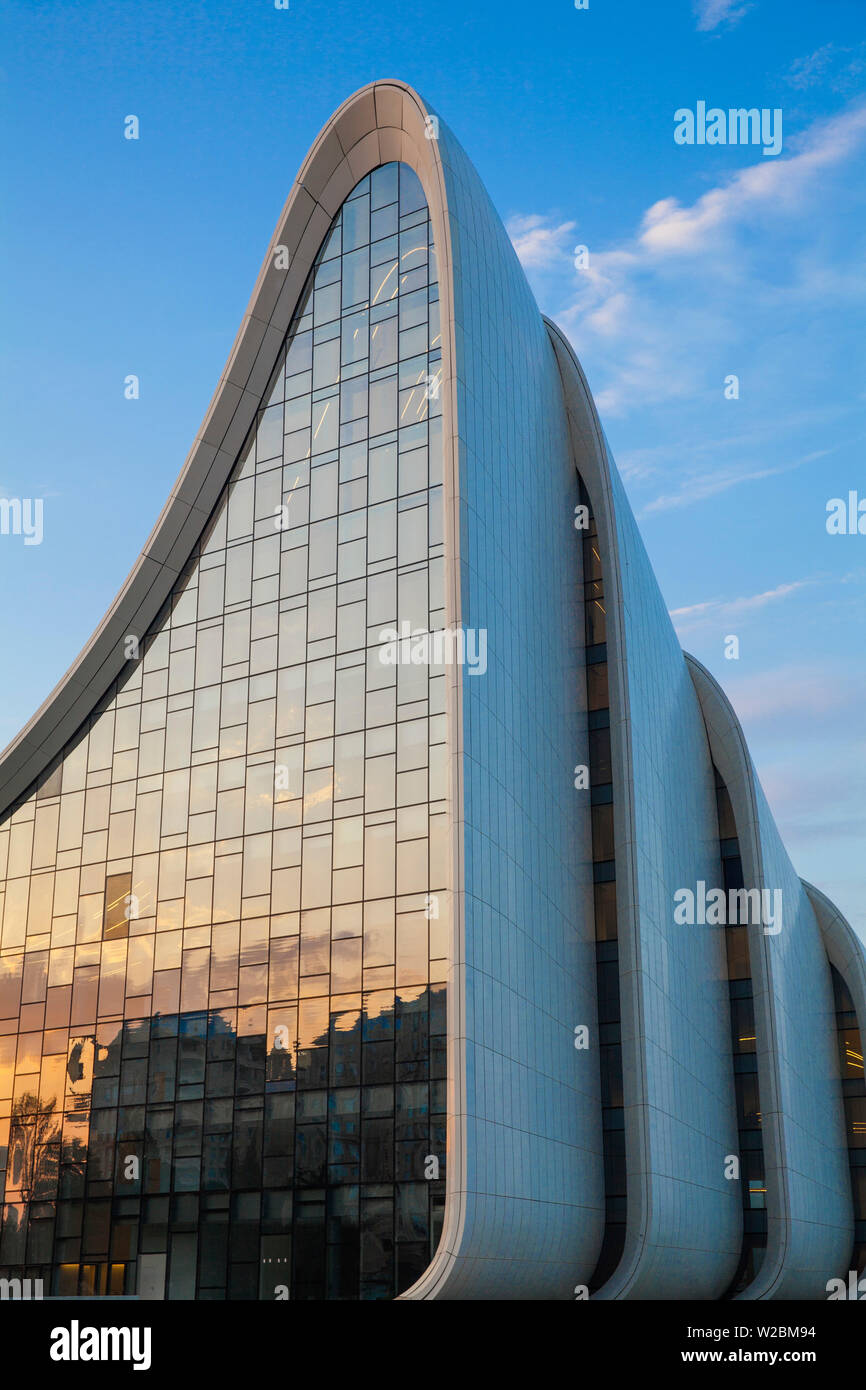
(225, 908)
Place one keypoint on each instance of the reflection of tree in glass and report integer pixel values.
(34, 1150)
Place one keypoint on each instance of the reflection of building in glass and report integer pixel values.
(242, 854)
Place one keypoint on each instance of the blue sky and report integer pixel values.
(704, 261)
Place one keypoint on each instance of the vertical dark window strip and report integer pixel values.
(744, 1049)
(604, 875)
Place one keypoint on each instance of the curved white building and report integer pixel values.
(339, 960)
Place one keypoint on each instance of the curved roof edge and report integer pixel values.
(844, 948)
(381, 122)
(730, 751)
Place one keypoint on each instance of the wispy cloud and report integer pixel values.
(711, 13)
(699, 487)
(644, 463)
(836, 66)
(725, 611)
(538, 244)
(643, 310)
(668, 226)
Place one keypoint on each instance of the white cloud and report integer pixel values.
(722, 611)
(779, 184)
(808, 71)
(540, 246)
(642, 313)
(711, 13)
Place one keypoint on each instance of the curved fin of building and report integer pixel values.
(683, 1218)
(525, 1202)
(809, 1212)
